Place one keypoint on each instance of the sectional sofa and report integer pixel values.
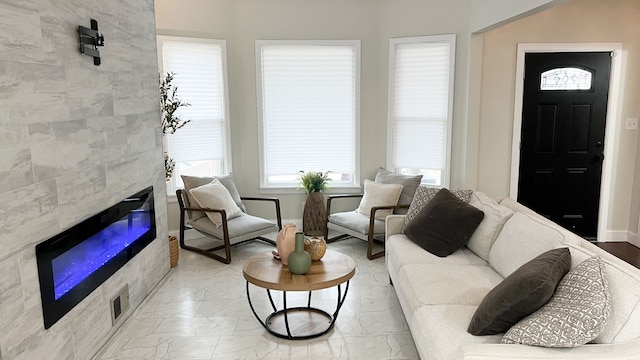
(439, 295)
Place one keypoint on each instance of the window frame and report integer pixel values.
(226, 121)
(393, 42)
(286, 188)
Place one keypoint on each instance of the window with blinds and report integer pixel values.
(200, 148)
(308, 110)
(421, 74)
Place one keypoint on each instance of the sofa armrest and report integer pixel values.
(394, 224)
(620, 351)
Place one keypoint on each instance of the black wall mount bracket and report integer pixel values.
(90, 39)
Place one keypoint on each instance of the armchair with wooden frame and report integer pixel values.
(369, 227)
(234, 231)
(355, 224)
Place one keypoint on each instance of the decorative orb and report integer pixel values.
(316, 247)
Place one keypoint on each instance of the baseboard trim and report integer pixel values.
(622, 235)
(634, 239)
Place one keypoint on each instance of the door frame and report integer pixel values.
(611, 127)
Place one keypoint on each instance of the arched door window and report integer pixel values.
(565, 79)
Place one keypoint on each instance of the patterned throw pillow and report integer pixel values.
(576, 313)
(424, 194)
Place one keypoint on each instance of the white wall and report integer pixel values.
(76, 138)
(574, 22)
(372, 22)
(484, 85)
(488, 14)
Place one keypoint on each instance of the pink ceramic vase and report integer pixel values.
(286, 242)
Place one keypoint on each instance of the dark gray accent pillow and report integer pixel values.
(424, 194)
(524, 291)
(192, 182)
(444, 225)
(409, 185)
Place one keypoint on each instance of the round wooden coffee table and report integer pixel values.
(298, 323)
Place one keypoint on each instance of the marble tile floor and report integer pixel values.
(200, 311)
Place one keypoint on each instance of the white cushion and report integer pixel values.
(377, 194)
(400, 247)
(624, 286)
(216, 196)
(238, 227)
(439, 331)
(495, 215)
(568, 236)
(443, 283)
(357, 222)
(522, 238)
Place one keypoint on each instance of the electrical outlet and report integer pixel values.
(119, 304)
(632, 124)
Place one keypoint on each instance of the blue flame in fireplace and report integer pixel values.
(79, 262)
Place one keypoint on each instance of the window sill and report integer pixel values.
(292, 190)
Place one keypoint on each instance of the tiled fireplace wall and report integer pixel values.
(74, 139)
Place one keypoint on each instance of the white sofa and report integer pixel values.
(440, 295)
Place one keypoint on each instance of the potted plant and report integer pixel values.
(314, 217)
(169, 104)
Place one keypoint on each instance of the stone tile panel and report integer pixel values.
(29, 215)
(11, 300)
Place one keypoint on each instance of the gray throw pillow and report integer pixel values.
(192, 182)
(445, 224)
(424, 194)
(576, 313)
(409, 185)
(521, 293)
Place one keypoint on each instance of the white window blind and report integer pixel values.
(421, 88)
(309, 110)
(200, 147)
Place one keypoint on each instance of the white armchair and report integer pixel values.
(381, 198)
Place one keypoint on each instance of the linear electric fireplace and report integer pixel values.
(75, 262)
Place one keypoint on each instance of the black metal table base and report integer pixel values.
(307, 311)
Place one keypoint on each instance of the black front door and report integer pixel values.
(562, 141)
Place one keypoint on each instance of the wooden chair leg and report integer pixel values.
(370, 255)
(336, 238)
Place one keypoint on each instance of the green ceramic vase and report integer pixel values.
(299, 260)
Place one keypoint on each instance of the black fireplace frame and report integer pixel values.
(52, 309)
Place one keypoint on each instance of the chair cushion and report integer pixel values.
(191, 182)
(357, 222)
(238, 226)
(445, 224)
(215, 196)
(521, 293)
(376, 194)
(409, 185)
(576, 313)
